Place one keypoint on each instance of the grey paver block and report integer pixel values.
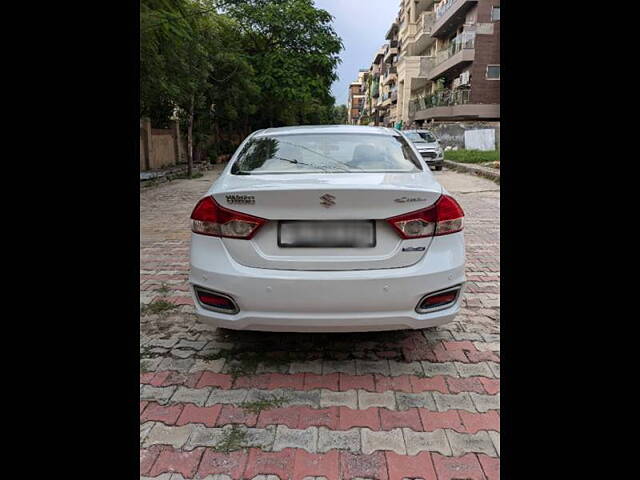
(150, 364)
(338, 440)
(405, 368)
(434, 369)
(309, 398)
(491, 337)
(230, 397)
(294, 438)
(202, 436)
(474, 369)
(495, 439)
(410, 400)
(487, 346)
(159, 350)
(382, 440)
(457, 401)
(462, 443)
(495, 368)
(163, 342)
(339, 366)
(471, 336)
(373, 399)
(330, 398)
(364, 367)
(485, 403)
(157, 394)
(311, 366)
(164, 476)
(197, 396)
(193, 345)
(160, 434)
(144, 430)
(214, 366)
(262, 438)
(182, 353)
(177, 364)
(435, 441)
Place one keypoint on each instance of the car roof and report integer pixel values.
(327, 129)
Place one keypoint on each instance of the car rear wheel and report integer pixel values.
(439, 167)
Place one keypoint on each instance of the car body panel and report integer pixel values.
(327, 289)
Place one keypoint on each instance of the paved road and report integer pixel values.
(241, 405)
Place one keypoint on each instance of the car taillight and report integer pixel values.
(209, 218)
(442, 218)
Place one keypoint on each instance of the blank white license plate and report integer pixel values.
(327, 234)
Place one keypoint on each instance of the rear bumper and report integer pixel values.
(331, 301)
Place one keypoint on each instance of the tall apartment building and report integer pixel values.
(356, 98)
(389, 78)
(376, 97)
(448, 64)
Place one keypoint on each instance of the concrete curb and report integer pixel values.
(154, 178)
(490, 173)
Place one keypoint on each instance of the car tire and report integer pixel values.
(439, 167)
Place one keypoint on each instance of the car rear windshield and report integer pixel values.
(420, 137)
(321, 152)
(427, 136)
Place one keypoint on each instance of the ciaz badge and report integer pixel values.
(241, 199)
(408, 199)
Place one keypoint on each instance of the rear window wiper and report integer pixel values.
(298, 162)
(343, 165)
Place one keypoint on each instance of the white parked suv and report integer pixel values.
(428, 146)
(329, 228)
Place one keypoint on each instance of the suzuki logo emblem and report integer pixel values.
(328, 200)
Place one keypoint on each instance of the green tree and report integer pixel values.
(340, 114)
(294, 51)
(227, 67)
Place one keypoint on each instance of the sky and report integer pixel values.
(362, 25)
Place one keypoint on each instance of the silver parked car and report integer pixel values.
(427, 144)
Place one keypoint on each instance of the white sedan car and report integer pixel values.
(327, 229)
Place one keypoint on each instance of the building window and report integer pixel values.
(493, 72)
(495, 13)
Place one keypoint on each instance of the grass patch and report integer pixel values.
(144, 367)
(260, 405)
(472, 156)
(232, 440)
(158, 306)
(164, 289)
(245, 363)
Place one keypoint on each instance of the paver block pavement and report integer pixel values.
(406, 405)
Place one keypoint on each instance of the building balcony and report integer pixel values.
(449, 15)
(375, 90)
(419, 37)
(390, 52)
(460, 53)
(390, 77)
(423, 5)
(449, 104)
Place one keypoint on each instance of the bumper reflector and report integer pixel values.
(216, 301)
(438, 300)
